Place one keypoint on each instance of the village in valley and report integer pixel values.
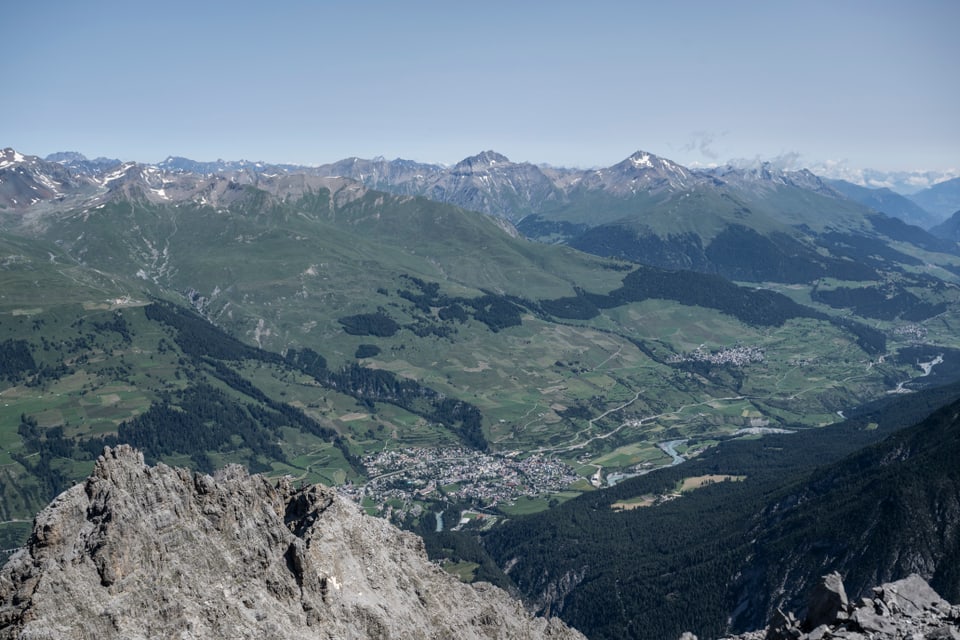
(399, 479)
(737, 356)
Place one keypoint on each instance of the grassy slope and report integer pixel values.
(284, 274)
(706, 209)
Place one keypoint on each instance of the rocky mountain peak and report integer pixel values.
(10, 156)
(643, 159)
(768, 174)
(28, 180)
(81, 165)
(154, 551)
(641, 171)
(482, 162)
(66, 157)
(179, 164)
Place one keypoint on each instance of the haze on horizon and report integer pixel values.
(856, 84)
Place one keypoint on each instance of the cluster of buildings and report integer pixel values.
(738, 356)
(914, 331)
(459, 475)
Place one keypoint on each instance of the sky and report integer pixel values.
(853, 84)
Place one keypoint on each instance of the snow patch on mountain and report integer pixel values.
(642, 161)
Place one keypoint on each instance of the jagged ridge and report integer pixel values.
(140, 551)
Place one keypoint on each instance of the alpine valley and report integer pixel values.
(646, 398)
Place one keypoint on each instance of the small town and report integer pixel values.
(460, 475)
(737, 356)
(913, 331)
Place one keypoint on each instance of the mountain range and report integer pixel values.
(644, 208)
(284, 258)
(491, 183)
(888, 201)
(447, 343)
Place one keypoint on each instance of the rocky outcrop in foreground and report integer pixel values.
(139, 551)
(905, 609)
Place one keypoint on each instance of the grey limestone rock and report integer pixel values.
(868, 620)
(911, 596)
(827, 600)
(902, 610)
(139, 551)
(946, 632)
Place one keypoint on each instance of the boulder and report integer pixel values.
(905, 609)
(827, 600)
(911, 596)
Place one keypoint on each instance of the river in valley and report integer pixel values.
(669, 448)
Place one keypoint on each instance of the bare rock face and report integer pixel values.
(827, 600)
(141, 551)
(905, 609)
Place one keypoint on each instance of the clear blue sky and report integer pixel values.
(873, 83)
